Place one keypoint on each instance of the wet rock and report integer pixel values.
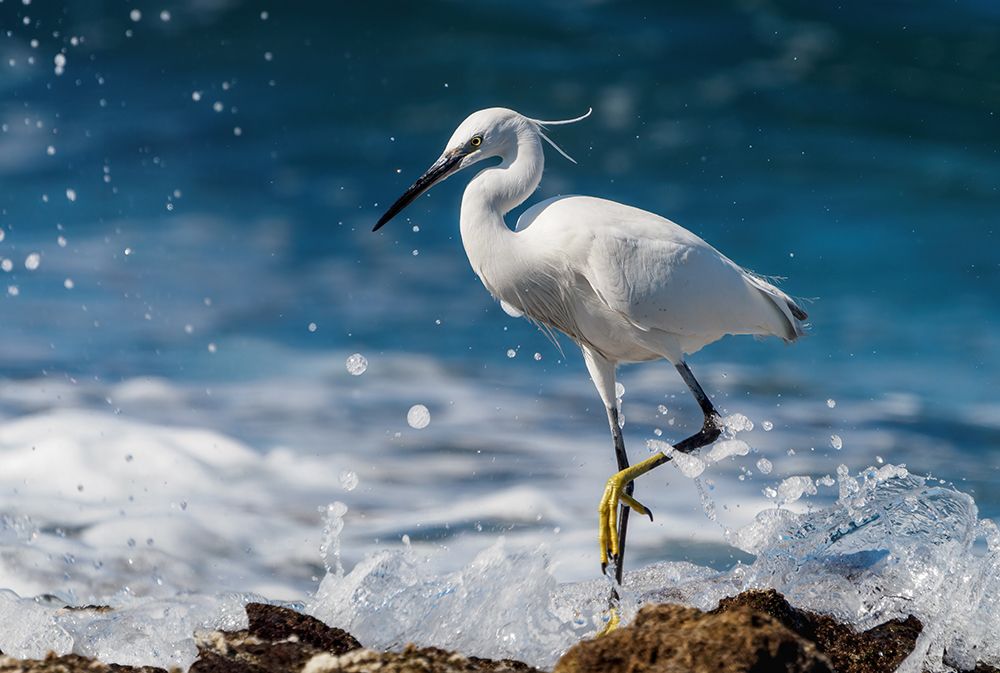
(269, 622)
(412, 660)
(877, 650)
(677, 639)
(278, 640)
(70, 663)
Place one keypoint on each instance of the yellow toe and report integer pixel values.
(612, 623)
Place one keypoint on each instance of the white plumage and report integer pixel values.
(625, 284)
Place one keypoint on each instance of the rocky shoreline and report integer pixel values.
(755, 631)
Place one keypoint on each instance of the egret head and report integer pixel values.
(492, 132)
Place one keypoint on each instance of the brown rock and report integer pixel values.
(240, 652)
(877, 650)
(269, 622)
(676, 639)
(411, 660)
(280, 640)
(70, 663)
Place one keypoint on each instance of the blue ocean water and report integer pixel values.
(199, 181)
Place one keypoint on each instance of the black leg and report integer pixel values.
(711, 427)
(622, 456)
(710, 430)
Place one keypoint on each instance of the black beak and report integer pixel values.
(441, 169)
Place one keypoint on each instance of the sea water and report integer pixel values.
(205, 350)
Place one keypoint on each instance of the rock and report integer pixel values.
(412, 660)
(677, 639)
(877, 650)
(269, 622)
(70, 663)
(754, 631)
(278, 640)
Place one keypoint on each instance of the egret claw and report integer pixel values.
(636, 505)
(611, 624)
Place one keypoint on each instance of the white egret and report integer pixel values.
(624, 284)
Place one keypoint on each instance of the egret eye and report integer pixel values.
(476, 141)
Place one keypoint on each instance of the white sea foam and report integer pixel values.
(892, 545)
(178, 526)
(897, 547)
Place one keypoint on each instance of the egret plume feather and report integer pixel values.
(542, 124)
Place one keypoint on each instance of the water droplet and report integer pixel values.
(764, 466)
(836, 442)
(165, 15)
(69, 284)
(357, 364)
(312, 327)
(619, 390)
(511, 353)
(212, 348)
(538, 356)
(767, 425)
(71, 194)
(418, 417)
(831, 403)
(349, 480)
(737, 423)
(32, 261)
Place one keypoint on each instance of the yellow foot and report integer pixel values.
(611, 624)
(614, 493)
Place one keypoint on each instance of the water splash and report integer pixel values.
(333, 525)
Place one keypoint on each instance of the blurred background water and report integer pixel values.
(187, 195)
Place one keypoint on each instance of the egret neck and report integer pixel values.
(494, 192)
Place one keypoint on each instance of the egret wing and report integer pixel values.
(660, 276)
